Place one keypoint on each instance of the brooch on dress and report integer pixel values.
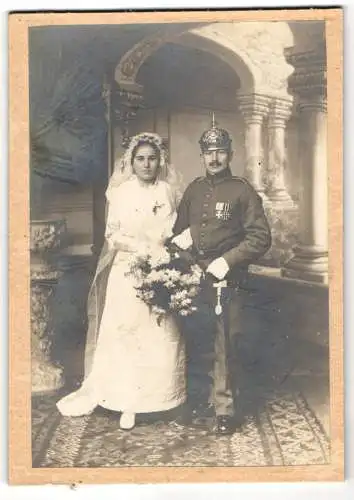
(156, 207)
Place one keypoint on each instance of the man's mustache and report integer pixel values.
(215, 164)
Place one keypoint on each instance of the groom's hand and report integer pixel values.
(218, 268)
(183, 240)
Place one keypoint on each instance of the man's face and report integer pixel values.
(216, 160)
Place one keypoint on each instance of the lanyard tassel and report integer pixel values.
(219, 286)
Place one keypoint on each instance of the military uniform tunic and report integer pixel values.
(226, 219)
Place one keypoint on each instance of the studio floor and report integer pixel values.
(284, 396)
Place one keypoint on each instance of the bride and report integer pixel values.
(132, 365)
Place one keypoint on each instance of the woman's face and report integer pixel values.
(146, 163)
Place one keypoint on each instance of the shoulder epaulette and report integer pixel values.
(243, 180)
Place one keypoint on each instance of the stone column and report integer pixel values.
(310, 261)
(254, 108)
(47, 237)
(277, 192)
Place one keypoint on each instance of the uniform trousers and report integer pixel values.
(226, 331)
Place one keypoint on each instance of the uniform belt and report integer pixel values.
(206, 254)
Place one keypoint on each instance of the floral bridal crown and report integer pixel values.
(132, 141)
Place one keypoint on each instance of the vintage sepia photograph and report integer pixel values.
(178, 243)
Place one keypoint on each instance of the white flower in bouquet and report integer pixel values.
(137, 258)
(170, 284)
(187, 312)
(159, 257)
(146, 295)
(193, 291)
(149, 295)
(178, 301)
(189, 280)
(137, 274)
(179, 296)
(196, 271)
(166, 280)
(158, 310)
(174, 274)
(153, 277)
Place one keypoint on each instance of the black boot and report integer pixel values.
(225, 425)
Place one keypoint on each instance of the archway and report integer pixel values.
(254, 50)
(178, 103)
(128, 67)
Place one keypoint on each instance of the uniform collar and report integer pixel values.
(219, 177)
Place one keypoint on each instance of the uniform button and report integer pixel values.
(206, 204)
(205, 214)
(201, 252)
(204, 224)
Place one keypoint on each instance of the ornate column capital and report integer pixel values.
(279, 113)
(254, 107)
(126, 103)
(315, 103)
(310, 76)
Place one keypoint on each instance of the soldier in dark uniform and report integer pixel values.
(221, 221)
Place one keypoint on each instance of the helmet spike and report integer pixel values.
(213, 122)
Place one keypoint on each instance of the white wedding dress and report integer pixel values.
(138, 366)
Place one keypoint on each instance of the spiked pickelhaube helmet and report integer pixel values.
(214, 138)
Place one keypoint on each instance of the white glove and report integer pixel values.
(218, 268)
(183, 240)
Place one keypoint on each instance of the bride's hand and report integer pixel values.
(183, 240)
(159, 256)
(123, 242)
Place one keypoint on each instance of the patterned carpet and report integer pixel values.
(283, 431)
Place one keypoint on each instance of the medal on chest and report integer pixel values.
(223, 210)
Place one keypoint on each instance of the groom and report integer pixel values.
(222, 223)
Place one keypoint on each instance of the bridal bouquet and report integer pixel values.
(165, 283)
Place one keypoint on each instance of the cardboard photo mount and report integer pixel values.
(20, 468)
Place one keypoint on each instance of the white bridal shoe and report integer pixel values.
(127, 421)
